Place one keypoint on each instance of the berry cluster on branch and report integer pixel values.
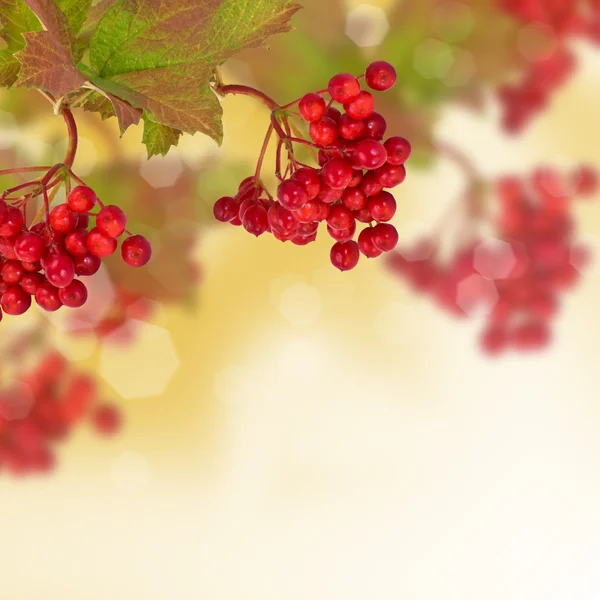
(45, 259)
(355, 167)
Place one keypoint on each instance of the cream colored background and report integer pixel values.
(331, 436)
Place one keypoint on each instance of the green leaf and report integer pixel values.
(15, 20)
(165, 53)
(48, 59)
(159, 138)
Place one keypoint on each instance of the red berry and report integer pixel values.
(282, 221)
(344, 255)
(87, 265)
(390, 176)
(333, 113)
(323, 132)
(363, 215)
(342, 235)
(585, 181)
(136, 250)
(354, 199)
(382, 206)
(309, 179)
(74, 295)
(11, 272)
(12, 223)
(47, 297)
(7, 247)
(337, 174)
(30, 282)
(15, 301)
(32, 267)
(329, 195)
(362, 106)
(380, 76)
(29, 247)
(369, 154)
(111, 221)
(385, 237)
(343, 87)
(100, 244)
(494, 339)
(375, 127)
(59, 270)
(292, 194)
(309, 212)
(366, 245)
(398, 150)
(62, 219)
(76, 242)
(351, 129)
(225, 209)
(81, 199)
(312, 107)
(255, 220)
(340, 217)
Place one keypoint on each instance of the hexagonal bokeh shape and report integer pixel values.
(476, 295)
(367, 25)
(152, 367)
(494, 259)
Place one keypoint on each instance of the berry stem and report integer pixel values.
(245, 90)
(460, 159)
(73, 139)
(261, 156)
(18, 170)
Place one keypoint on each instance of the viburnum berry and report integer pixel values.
(30, 282)
(323, 132)
(345, 255)
(12, 222)
(382, 206)
(225, 209)
(309, 179)
(255, 220)
(47, 297)
(343, 87)
(74, 295)
(292, 194)
(354, 199)
(15, 301)
(366, 244)
(81, 199)
(380, 76)
(136, 250)
(100, 244)
(87, 265)
(106, 419)
(337, 174)
(351, 129)
(111, 221)
(29, 247)
(385, 237)
(375, 126)
(369, 154)
(398, 150)
(312, 107)
(361, 107)
(340, 217)
(283, 221)
(59, 270)
(390, 176)
(62, 219)
(11, 272)
(342, 235)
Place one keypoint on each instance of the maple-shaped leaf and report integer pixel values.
(15, 19)
(164, 53)
(48, 59)
(159, 138)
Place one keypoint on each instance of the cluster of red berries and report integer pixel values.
(563, 19)
(41, 407)
(355, 168)
(523, 100)
(45, 261)
(522, 274)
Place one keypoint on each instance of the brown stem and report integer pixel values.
(18, 170)
(244, 90)
(261, 156)
(72, 130)
(460, 159)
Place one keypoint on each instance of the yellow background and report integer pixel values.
(327, 435)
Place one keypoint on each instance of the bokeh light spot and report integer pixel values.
(366, 25)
